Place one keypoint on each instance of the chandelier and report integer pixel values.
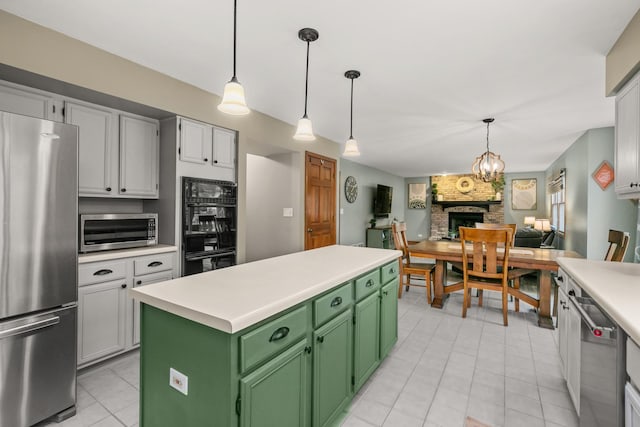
(488, 166)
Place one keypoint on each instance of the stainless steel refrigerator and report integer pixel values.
(38, 269)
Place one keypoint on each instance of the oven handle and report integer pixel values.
(19, 330)
(207, 256)
(598, 331)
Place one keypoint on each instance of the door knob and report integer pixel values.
(309, 230)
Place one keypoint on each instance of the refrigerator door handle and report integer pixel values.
(18, 330)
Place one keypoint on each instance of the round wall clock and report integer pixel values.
(351, 189)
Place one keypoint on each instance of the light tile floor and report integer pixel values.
(443, 369)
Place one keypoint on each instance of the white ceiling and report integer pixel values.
(431, 69)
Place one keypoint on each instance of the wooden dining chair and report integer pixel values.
(409, 269)
(480, 263)
(514, 274)
(618, 243)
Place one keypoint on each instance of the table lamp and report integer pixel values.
(542, 225)
(529, 220)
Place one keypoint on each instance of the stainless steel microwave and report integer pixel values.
(100, 232)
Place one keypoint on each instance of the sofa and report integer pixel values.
(528, 238)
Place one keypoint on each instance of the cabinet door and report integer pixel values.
(388, 317)
(366, 339)
(147, 279)
(573, 355)
(26, 102)
(224, 148)
(332, 362)
(139, 157)
(101, 318)
(562, 328)
(195, 141)
(628, 138)
(277, 394)
(97, 149)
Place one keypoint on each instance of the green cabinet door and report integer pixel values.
(332, 362)
(277, 394)
(366, 339)
(388, 317)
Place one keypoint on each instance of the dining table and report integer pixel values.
(543, 260)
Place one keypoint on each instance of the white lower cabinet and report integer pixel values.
(146, 279)
(108, 318)
(101, 319)
(569, 337)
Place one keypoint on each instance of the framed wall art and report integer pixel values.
(603, 175)
(524, 194)
(417, 196)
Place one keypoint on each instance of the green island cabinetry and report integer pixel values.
(299, 367)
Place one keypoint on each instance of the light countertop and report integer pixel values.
(615, 286)
(125, 253)
(233, 298)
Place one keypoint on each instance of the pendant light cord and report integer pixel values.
(351, 125)
(488, 137)
(306, 84)
(235, 7)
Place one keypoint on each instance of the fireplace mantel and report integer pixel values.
(477, 203)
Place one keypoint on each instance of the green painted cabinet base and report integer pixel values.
(325, 349)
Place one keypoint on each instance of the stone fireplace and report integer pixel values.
(462, 204)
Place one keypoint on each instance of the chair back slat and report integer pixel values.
(490, 226)
(399, 231)
(618, 243)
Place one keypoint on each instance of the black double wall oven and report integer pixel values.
(209, 217)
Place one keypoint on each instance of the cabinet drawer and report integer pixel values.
(367, 284)
(333, 303)
(269, 339)
(153, 264)
(390, 271)
(102, 272)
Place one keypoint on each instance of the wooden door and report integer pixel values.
(320, 201)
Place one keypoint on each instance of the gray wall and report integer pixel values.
(512, 216)
(591, 212)
(271, 186)
(354, 217)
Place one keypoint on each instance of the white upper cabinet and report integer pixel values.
(29, 102)
(139, 156)
(195, 141)
(627, 179)
(97, 148)
(224, 148)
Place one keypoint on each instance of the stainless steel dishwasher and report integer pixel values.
(602, 366)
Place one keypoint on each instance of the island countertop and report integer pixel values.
(234, 298)
(615, 286)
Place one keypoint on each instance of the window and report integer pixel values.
(558, 202)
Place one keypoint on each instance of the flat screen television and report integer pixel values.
(382, 202)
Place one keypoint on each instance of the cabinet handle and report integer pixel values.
(139, 282)
(124, 285)
(336, 301)
(321, 339)
(572, 293)
(565, 307)
(560, 279)
(205, 159)
(385, 292)
(154, 264)
(215, 161)
(123, 190)
(279, 334)
(108, 189)
(369, 283)
(103, 272)
(307, 349)
(309, 230)
(392, 271)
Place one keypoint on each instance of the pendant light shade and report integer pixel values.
(233, 101)
(488, 166)
(304, 131)
(351, 147)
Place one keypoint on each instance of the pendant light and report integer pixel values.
(304, 132)
(233, 101)
(487, 166)
(351, 147)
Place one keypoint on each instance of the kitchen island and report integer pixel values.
(284, 341)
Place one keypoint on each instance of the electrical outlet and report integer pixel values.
(287, 212)
(179, 381)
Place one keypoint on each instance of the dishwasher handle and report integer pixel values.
(596, 330)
